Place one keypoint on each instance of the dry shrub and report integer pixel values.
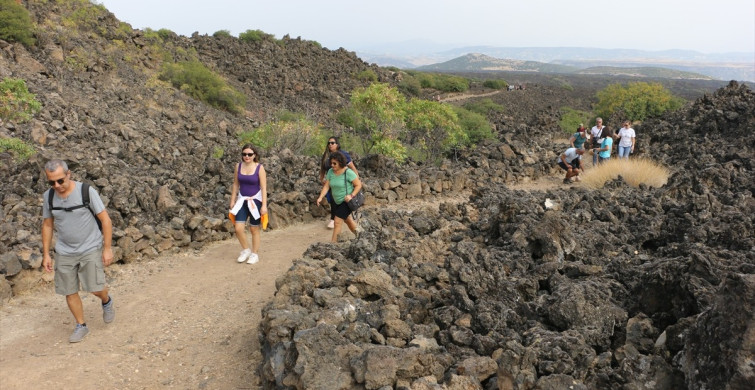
(634, 171)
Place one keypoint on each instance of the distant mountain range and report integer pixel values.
(691, 64)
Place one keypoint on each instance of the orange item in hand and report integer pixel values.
(264, 221)
(231, 217)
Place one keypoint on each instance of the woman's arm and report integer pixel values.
(234, 188)
(323, 191)
(571, 140)
(263, 188)
(357, 187)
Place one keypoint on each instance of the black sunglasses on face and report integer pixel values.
(332, 143)
(59, 181)
(247, 154)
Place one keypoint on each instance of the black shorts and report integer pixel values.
(342, 210)
(574, 164)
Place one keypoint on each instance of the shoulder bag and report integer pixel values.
(356, 201)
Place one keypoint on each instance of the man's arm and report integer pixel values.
(107, 237)
(47, 225)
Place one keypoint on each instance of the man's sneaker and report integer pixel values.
(567, 181)
(253, 259)
(108, 311)
(577, 178)
(78, 333)
(244, 255)
(331, 224)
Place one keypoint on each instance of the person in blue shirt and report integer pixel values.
(604, 151)
(579, 138)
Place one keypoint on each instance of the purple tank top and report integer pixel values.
(249, 185)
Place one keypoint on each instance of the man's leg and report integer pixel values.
(76, 308)
(103, 295)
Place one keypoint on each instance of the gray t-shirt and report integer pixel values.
(77, 230)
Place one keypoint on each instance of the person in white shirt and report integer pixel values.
(597, 138)
(627, 140)
(571, 162)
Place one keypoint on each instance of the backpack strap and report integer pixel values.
(85, 203)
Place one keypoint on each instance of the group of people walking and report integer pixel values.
(75, 212)
(600, 142)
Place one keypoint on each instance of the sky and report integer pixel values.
(707, 26)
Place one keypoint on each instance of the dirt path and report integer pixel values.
(462, 96)
(183, 321)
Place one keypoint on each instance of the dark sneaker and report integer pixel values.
(567, 181)
(108, 311)
(78, 333)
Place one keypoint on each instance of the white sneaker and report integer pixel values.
(331, 224)
(253, 259)
(244, 255)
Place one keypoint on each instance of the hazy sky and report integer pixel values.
(708, 26)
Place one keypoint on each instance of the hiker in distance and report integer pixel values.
(82, 250)
(249, 201)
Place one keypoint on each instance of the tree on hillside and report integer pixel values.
(432, 127)
(637, 100)
(376, 115)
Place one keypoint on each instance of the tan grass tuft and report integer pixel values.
(634, 171)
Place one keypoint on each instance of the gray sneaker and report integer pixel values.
(78, 333)
(108, 311)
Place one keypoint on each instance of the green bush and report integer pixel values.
(367, 75)
(495, 84)
(218, 152)
(15, 23)
(222, 33)
(199, 82)
(255, 36)
(16, 102)
(571, 119)
(410, 85)
(443, 82)
(166, 34)
(300, 135)
(637, 101)
(20, 149)
(484, 107)
(375, 115)
(475, 125)
(432, 128)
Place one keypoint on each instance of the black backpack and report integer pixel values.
(85, 201)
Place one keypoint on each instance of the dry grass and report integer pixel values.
(634, 171)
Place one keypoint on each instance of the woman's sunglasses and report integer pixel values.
(59, 181)
(247, 154)
(332, 143)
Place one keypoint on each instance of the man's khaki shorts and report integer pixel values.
(85, 269)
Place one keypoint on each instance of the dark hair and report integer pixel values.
(606, 132)
(256, 157)
(325, 160)
(339, 157)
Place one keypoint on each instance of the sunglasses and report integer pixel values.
(59, 181)
(247, 154)
(332, 143)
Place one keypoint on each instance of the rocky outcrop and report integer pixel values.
(617, 288)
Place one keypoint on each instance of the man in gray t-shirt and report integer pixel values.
(81, 250)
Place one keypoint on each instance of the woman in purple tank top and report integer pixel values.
(249, 201)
